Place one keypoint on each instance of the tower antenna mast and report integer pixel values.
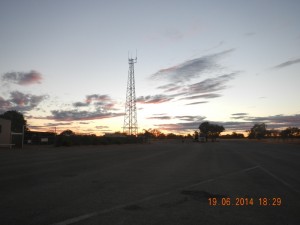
(130, 119)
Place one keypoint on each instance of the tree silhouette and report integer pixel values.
(204, 129)
(67, 133)
(259, 130)
(210, 130)
(290, 132)
(17, 120)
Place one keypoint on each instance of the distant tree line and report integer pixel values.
(234, 135)
(259, 131)
(70, 138)
(157, 134)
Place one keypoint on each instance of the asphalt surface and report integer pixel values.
(163, 183)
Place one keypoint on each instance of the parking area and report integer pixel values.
(170, 182)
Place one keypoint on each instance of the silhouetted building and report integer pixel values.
(5, 132)
(37, 137)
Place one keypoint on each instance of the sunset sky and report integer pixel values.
(64, 63)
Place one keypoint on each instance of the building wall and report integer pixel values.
(5, 131)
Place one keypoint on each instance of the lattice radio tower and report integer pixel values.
(130, 120)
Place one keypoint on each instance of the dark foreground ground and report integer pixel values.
(166, 183)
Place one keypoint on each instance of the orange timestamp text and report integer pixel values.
(244, 201)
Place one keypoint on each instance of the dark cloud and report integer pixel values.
(97, 98)
(180, 74)
(191, 68)
(277, 120)
(184, 118)
(22, 99)
(153, 99)
(160, 117)
(190, 118)
(192, 123)
(247, 125)
(239, 115)
(170, 87)
(75, 115)
(272, 122)
(21, 102)
(203, 89)
(101, 108)
(23, 78)
(106, 105)
(103, 101)
(80, 104)
(197, 103)
(236, 126)
(210, 84)
(206, 88)
(4, 104)
(287, 63)
(211, 95)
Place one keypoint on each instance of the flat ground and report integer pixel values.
(163, 183)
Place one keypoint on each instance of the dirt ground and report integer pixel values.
(171, 182)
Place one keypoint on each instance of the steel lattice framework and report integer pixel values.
(130, 120)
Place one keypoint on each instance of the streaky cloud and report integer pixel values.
(153, 99)
(74, 115)
(170, 87)
(287, 63)
(205, 96)
(197, 103)
(210, 84)
(277, 120)
(191, 68)
(239, 115)
(190, 118)
(160, 117)
(273, 122)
